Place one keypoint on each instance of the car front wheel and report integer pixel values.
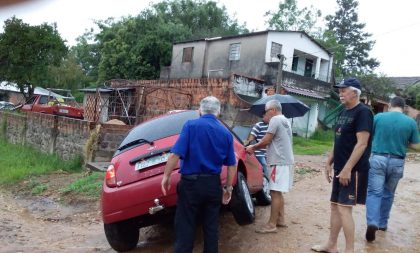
(241, 203)
(123, 235)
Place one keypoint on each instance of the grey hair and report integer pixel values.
(358, 92)
(210, 105)
(273, 104)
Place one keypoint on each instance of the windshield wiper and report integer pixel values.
(135, 142)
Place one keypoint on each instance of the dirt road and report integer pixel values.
(43, 225)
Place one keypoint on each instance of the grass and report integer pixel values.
(89, 186)
(19, 162)
(304, 170)
(36, 187)
(318, 144)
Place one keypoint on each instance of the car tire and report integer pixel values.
(123, 235)
(241, 204)
(263, 197)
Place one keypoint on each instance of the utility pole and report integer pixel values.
(279, 73)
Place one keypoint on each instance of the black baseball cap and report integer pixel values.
(351, 81)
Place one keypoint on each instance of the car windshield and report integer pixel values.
(158, 128)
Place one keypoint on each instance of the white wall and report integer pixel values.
(292, 41)
(306, 125)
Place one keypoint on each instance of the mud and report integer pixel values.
(43, 224)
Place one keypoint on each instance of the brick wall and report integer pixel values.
(162, 96)
(110, 136)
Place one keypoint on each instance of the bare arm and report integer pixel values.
(328, 165)
(170, 166)
(227, 191)
(359, 148)
(268, 137)
(250, 138)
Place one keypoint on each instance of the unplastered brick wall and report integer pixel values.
(110, 136)
(165, 95)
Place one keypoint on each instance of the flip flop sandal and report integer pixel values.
(318, 248)
(265, 230)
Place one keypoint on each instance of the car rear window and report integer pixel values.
(159, 128)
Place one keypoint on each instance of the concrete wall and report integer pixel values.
(70, 136)
(211, 57)
(66, 137)
(15, 127)
(294, 42)
(193, 69)
(251, 60)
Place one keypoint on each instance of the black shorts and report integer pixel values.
(354, 193)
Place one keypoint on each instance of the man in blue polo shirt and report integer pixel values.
(203, 146)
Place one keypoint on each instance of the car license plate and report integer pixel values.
(63, 110)
(152, 161)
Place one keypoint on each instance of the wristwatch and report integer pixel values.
(228, 188)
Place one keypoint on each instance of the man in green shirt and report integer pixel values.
(393, 133)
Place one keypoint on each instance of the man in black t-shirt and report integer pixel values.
(350, 157)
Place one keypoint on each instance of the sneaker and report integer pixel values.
(370, 233)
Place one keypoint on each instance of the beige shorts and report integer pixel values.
(281, 177)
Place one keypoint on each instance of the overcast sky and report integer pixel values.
(395, 25)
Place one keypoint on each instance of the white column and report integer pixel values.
(317, 67)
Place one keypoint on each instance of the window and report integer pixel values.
(275, 49)
(187, 54)
(235, 52)
(295, 63)
(30, 101)
(43, 100)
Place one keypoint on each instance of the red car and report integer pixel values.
(131, 193)
(51, 105)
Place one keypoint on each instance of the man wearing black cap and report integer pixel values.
(350, 158)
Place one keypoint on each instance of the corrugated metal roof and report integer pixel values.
(7, 86)
(105, 90)
(303, 92)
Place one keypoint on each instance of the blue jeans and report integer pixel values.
(263, 163)
(384, 175)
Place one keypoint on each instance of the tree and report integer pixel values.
(376, 86)
(349, 32)
(27, 51)
(68, 75)
(88, 56)
(137, 47)
(412, 95)
(289, 18)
